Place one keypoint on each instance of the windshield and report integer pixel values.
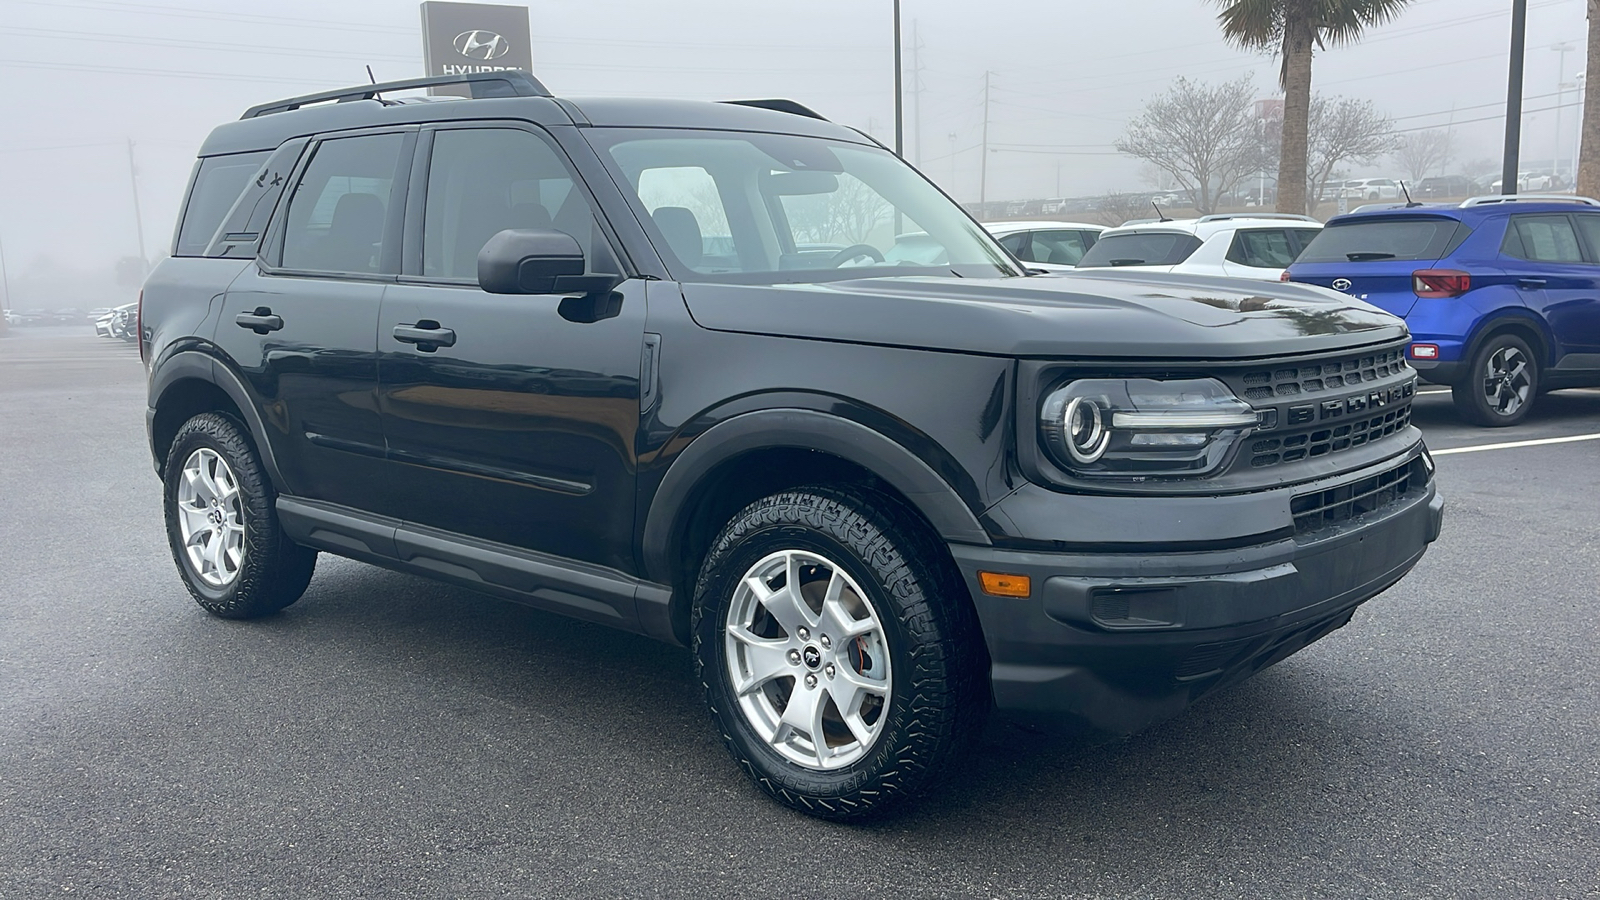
(1149, 248)
(1376, 240)
(770, 208)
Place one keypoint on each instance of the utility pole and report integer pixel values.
(138, 220)
(916, 90)
(1562, 48)
(983, 157)
(1513, 151)
(5, 280)
(899, 92)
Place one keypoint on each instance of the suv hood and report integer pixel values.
(1106, 314)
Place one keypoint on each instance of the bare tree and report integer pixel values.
(1589, 156)
(1421, 152)
(1115, 208)
(1203, 135)
(1344, 130)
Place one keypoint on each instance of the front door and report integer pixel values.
(300, 324)
(518, 424)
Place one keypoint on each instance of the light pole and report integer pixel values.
(1580, 82)
(1562, 48)
(1511, 162)
(899, 93)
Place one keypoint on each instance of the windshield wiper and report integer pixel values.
(1367, 256)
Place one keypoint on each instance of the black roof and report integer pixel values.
(506, 95)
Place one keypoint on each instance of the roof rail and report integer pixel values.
(779, 105)
(1492, 199)
(1370, 207)
(505, 83)
(1223, 217)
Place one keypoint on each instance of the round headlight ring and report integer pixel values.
(1083, 430)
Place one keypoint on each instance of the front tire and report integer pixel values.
(1501, 383)
(839, 654)
(222, 525)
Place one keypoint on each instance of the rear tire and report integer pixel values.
(879, 642)
(1501, 383)
(222, 524)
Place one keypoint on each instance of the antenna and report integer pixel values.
(1410, 203)
(370, 76)
(1162, 216)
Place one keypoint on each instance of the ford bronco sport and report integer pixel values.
(661, 366)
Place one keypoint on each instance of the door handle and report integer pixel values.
(260, 321)
(1531, 284)
(427, 334)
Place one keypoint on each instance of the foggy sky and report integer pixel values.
(79, 78)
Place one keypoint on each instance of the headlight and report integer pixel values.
(1143, 427)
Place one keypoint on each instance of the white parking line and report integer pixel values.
(1434, 391)
(1510, 445)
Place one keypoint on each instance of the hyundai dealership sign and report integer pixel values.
(458, 38)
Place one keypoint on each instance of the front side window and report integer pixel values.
(482, 181)
(1018, 245)
(1542, 239)
(218, 183)
(1262, 248)
(337, 215)
(770, 208)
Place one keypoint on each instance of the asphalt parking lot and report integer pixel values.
(391, 737)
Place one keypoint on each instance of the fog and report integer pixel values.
(91, 87)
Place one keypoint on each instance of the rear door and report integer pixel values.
(1373, 257)
(299, 324)
(519, 425)
(1556, 278)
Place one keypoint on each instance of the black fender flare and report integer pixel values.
(806, 430)
(194, 365)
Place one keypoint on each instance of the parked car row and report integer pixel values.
(43, 316)
(1502, 294)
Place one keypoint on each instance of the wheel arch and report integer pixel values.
(1521, 323)
(755, 454)
(189, 383)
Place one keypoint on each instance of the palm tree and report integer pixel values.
(1294, 29)
(1589, 156)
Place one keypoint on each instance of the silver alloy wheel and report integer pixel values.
(1507, 383)
(808, 659)
(211, 518)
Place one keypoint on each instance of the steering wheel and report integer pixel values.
(855, 251)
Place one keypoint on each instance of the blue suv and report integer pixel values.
(1502, 294)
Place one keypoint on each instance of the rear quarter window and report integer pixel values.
(218, 181)
(1151, 248)
(1376, 240)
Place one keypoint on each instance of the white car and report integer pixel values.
(1529, 181)
(1052, 246)
(1372, 189)
(1259, 245)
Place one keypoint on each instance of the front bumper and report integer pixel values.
(1118, 641)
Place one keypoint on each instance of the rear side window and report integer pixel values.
(1262, 248)
(1155, 248)
(339, 211)
(1374, 240)
(1542, 239)
(217, 184)
(1590, 226)
(1060, 248)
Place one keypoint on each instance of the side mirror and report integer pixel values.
(538, 261)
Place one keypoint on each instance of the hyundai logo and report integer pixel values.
(481, 45)
(1339, 284)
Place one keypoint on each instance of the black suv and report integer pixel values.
(692, 370)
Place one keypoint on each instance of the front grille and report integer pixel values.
(1324, 509)
(1327, 438)
(1293, 381)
